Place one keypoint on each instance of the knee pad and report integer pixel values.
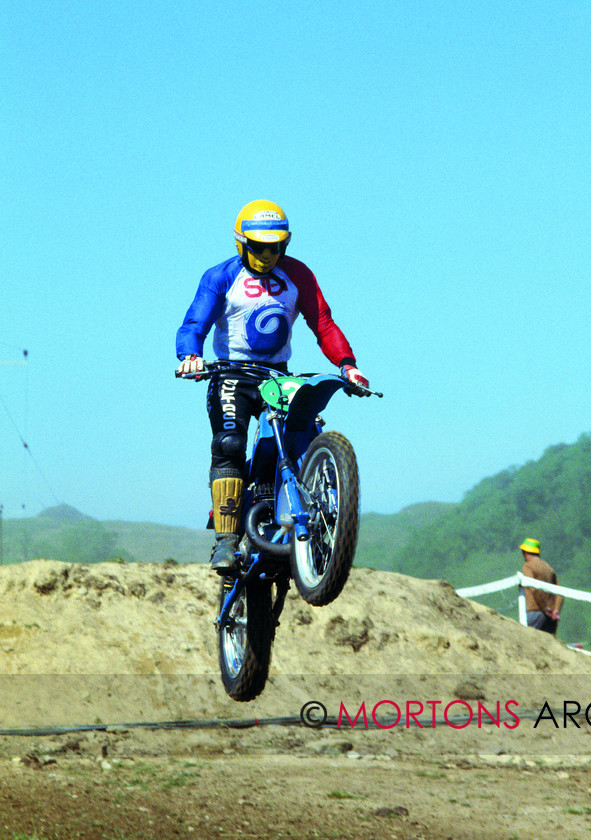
(229, 446)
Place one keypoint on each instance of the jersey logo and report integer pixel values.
(266, 330)
(254, 287)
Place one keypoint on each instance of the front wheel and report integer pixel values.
(245, 641)
(321, 564)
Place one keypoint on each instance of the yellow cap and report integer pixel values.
(531, 546)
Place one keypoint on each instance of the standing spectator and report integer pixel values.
(543, 608)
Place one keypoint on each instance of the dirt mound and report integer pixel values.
(134, 642)
(109, 675)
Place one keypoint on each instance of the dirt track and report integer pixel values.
(289, 796)
(114, 644)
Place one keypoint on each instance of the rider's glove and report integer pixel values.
(355, 377)
(191, 364)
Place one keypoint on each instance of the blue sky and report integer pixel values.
(434, 160)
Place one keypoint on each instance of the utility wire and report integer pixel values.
(22, 361)
(11, 418)
(33, 459)
(22, 439)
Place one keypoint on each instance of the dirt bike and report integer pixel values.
(300, 517)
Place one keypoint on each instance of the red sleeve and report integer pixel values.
(316, 312)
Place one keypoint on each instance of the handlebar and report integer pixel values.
(257, 371)
(245, 368)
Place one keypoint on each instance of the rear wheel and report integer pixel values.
(246, 640)
(320, 565)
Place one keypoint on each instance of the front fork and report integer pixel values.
(233, 588)
(292, 489)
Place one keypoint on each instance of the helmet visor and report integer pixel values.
(259, 248)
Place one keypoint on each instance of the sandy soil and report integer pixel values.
(115, 725)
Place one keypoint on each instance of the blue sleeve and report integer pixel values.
(203, 313)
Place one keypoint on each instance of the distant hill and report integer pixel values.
(382, 537)
(478, 540)
(151, 543)
(63, 533)
(65, 514)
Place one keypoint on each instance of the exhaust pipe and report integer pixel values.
(281, 551)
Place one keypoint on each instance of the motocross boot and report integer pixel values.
(226, 494)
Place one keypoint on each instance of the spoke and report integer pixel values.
(234, 642)
(328, 532)
(321, 480)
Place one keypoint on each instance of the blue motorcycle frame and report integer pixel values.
(299, 518)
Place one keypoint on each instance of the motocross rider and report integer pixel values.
(252, 300)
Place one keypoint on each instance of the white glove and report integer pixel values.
(191, 364)
(354, 376)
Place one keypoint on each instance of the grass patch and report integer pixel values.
(181, 779)
(344, 794)
(19, 836)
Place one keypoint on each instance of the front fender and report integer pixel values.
(311, 398)
(306, 404)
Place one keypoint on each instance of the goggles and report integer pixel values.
(259, 248)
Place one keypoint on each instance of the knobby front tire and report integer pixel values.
(245, 643)
(320, 565)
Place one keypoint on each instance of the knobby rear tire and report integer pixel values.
(245, 645)
(320, 565)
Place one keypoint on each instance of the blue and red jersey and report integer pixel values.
(253, 315)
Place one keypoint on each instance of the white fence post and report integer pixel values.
(522, 580)
(521, 606)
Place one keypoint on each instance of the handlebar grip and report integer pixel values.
(203, 374)
(360, 390)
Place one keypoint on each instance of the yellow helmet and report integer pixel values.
(261, 233)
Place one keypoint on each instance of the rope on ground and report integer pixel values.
(458, 721)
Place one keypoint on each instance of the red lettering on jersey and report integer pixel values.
(252, 288)
(274, 286)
